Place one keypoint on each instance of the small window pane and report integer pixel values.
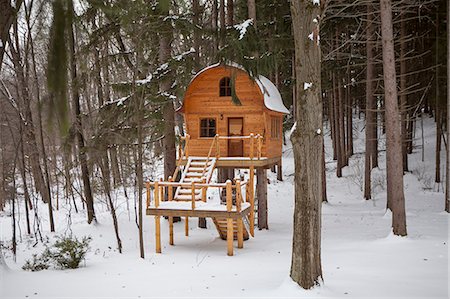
(208, 127)
(225, 87)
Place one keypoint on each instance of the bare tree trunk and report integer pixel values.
(403, 91)
(447, 191)
(437, 108)
(370, 105)
(230, 12)
(307, 142)
(252, 11)
(337, 129)
(79, 130)
(214, 27)
(222, 29)
(165, 37)
(394, 167)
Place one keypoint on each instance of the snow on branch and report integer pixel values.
(242, 28)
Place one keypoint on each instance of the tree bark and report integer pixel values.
(370, 105)
(230, 13)
(307, 141)
(394, 165)
(403, 92)
(252, 11)
(165, 37)
(261, 194)
(447, 192)
(7, 17)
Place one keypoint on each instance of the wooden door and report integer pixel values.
(235, 128)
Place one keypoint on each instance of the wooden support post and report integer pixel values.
(201, 220)
(186, 226)
(171, 230)
(251, 193)
(259, 146)
(158, 233)
(229, 220)
(279, 171)
(230, 236)
(240, 232)
(261, 191)
(229, 195)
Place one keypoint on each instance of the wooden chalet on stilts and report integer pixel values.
(222, 135)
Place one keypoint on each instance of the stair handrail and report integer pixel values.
(182, 153)
(216, 138)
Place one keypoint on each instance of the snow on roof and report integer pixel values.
(272, 97)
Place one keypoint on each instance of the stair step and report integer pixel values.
(196, 174)
(187, 197)
(191, 179)
(198, 169)
(221, 226)
(188, 191)
(200, 164)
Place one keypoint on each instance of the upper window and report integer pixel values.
(207, 127)
(275, 130)
(225, 87)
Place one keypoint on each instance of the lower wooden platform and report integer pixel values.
(242, 162)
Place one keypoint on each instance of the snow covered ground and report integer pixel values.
(360, 256)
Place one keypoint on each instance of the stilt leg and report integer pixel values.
(230, 236)
(186, 226)
(240, 232)
(170, 230)
(158, 233)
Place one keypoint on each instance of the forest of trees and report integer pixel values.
(89, 89)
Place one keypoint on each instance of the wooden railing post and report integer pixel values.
(204, 190)
(147, 185)
(170, 189)
(217, 147)
(193, 195)
(259, 146)
(156, 194)
(229, 220)
(251, 194)
(238, 195)
(252, 144)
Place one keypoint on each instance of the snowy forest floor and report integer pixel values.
(360, 256)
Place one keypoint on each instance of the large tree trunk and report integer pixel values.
(165, 38)
(79, 130)
(394, 165)
(307, 141)
(447, 192)
(370, 105)
(403, 93)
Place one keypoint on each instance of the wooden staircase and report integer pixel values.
(197, 170)
(221, 226)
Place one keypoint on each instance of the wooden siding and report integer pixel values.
(202, 100)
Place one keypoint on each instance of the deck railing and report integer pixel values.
(255, 146)
(156, 193)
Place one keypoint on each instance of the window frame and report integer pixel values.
(225, 87)
(208, 128)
